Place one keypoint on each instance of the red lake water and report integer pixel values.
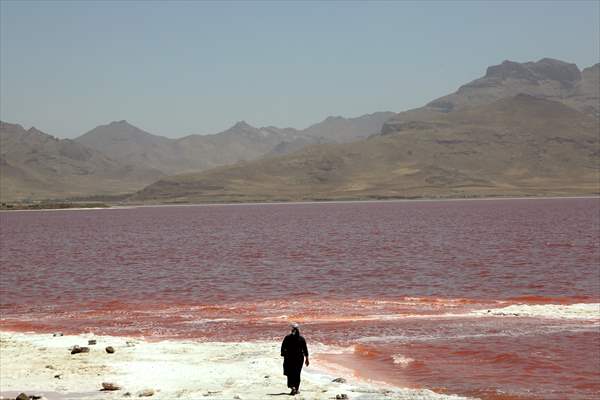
(496, 299)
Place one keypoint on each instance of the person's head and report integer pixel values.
(295, 329)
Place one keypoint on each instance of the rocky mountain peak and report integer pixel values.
(509, 69)
(544, 69)
(242, 125)
(595, 66)
(592, 71)
(120, 124)
(242, 128)
(118, 129)
(34, 130)
(551, 69)
(7, 125)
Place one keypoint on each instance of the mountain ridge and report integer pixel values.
(521, 145)
(547, 78)
(451, 133)
(126, 143)
(38, 165)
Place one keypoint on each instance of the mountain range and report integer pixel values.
(547, 78)
(521, 129)
(34, 164)
(516, 146)
(124, 158)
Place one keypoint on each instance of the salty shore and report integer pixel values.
(42, 364)
(130, 205)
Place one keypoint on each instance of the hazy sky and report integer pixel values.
(176, 68)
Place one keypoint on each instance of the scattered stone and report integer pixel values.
(76, 350)
(35, 397)
(49, 366)
(110, 349)
(342, 396)
(146, 393)
(339, 380)
(22, 396)
(91, 342)
(57, 334)
(127, 394)
(110, 386)
(58, 376)
(267, 376)
(237, 397)
(130, 343)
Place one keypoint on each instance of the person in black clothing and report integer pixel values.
(293, 351)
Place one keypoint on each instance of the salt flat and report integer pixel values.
(42, 364)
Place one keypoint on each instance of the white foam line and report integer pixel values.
(581, 311)
(174, 369)
(571, 311)
(449, 337)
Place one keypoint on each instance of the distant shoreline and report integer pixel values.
(58, 206)
(399, 200)
(55, 205)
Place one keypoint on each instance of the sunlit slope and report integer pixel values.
(520, 145)
(547, 78)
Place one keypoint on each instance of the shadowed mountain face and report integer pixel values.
(124, 142)
(36, 165)
(119, 157)
(521, 145)
(343, 130)
(549, 79)
(127, 143)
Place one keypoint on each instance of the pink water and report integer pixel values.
(390, 282)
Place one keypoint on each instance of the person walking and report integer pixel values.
(294, 351)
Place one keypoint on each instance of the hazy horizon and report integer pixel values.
(181, 68)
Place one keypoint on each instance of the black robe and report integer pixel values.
(293, 351)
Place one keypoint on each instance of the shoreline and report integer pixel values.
(41, 364)
(121, 206)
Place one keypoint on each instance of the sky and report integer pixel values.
(175, 68)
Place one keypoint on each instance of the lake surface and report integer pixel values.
(498, 299)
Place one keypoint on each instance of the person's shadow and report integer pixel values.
(278, 394)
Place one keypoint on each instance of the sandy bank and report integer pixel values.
(43, 364)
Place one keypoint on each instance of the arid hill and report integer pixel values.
(521, 145)
(548, 79)
(120, 158)
(35, 165)
(124, 142)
